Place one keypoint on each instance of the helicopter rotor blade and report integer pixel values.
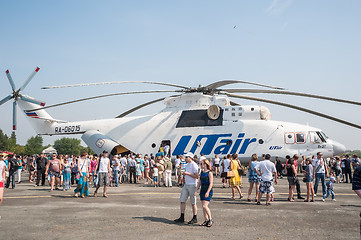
(29, 78)
(31, 100)
(14, 115)
(290, 93)
(141, 106)
(100, 96)
(116, 82)
(218, 84)
(5, 99)
(294, 107)
(11, 81)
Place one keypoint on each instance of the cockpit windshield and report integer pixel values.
(318, 137)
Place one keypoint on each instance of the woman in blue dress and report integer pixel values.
(205, 182)
(253, 177)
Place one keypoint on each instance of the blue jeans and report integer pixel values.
(329, 191)
(11, 179)
(115, 177)
(317, 180)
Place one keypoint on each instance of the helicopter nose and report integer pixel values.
(338, 148)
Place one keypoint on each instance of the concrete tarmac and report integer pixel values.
(140, 211)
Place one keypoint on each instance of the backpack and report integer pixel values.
(14, 165)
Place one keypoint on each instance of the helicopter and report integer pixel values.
(202, 120)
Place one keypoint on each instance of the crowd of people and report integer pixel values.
(64, 172)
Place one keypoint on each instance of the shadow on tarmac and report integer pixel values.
(156, 219)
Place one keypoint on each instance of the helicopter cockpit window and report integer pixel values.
(316, 137)
(198, 118)
(300, 138)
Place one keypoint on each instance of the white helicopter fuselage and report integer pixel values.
(185, 125)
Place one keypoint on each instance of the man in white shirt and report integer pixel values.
(266, 169)
(225, 168)
(190, 176)
(103, 175)
(116, 169)
(319, 172)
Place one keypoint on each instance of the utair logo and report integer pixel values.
(226, 145)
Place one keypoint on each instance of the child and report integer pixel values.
(155, 175)
(329, 185)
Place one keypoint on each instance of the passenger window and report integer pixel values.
(300, 138)
(289, 137)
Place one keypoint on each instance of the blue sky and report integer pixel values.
(306, 46)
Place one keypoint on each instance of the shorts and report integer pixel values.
(1, 184)
(54, 174)
(266, 187)
(155, 179)
(103, 179)
(188, 190)
(309, 179)
(292, 180)
(216, 165)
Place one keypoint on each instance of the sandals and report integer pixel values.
(240, 197)
(204, 223)
(248, 200)
(258, 203)
(233, 198)
(210, 223)
(104, 195)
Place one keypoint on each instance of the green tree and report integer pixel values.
(34, 145)
(19, 149)
(3, 141)
(12, 142)
(70, 146)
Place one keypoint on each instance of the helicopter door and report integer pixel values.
(166, 147)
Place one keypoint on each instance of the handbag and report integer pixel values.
(230, 174)
(304, 179)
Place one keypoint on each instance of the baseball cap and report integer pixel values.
(332, 179)
(203, 158)
(189, 154)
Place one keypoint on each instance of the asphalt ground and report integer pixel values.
(139, 211)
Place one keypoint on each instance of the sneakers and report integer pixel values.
(323, 199)
(194, 220)
(179, 220)
(334, 200)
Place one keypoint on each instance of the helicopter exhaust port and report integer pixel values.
(99, 142)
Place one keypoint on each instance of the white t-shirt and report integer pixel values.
(83, 164)
(216, 161)
(192, 168)
(267, 168)
(226, 163)
(155, 172)
(177, 162)
(2, 168)
(103, 164)
(123, 161)
(316, 163)
(114, 162)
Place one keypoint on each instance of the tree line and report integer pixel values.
(34, 145)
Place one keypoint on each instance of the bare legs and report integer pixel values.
(206, 211)
(251, 188)
(290, 193)
(234, 191)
